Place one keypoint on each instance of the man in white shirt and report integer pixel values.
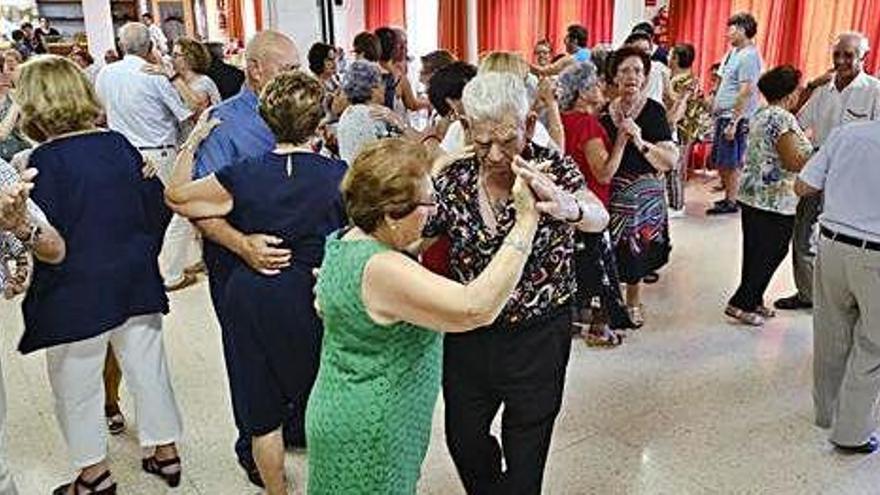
(148, 109)
(846, 318)
(658, 78)
(158, 37)
(851, 95)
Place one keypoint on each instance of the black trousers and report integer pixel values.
(522, 367)
(765, 240)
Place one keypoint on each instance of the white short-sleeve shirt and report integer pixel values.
(847, 171)
(828, 108)
(144, 108)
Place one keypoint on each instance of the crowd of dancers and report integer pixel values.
(361, 260)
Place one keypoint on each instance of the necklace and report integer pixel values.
(496, 207)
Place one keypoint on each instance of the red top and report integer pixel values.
(580, 128)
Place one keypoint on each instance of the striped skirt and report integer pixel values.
(639, 225)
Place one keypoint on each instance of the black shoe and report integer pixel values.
(651, 278)
(723, 208)
(253, 474)
(866, 448)
(792, 303)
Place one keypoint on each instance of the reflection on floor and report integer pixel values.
(690, 404)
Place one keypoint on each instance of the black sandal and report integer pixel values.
(91, 486)
(155, 466)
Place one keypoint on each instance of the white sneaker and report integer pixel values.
(676, 213)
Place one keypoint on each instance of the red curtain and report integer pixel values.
(866, 19)
(703, 23)
(452, 27)
(380, 13)
(510, 25)
(596, 15)
(258, 14)
(235, 20)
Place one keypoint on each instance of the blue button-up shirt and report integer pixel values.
(242, 134)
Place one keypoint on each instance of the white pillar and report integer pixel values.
(99, 27)
(626, 14)
(473, 51)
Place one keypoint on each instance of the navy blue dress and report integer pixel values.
(112, 220)
(275, 333)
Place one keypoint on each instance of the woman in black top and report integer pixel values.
(639, 226)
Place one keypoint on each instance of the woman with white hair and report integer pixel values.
(580, 98)
(519, 359)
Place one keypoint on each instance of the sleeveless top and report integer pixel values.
(368, 422)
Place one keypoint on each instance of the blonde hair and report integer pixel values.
(196, 54)
(504, 62)
(291, 106)
(384, 179)
(55, 97)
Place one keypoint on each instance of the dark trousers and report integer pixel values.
(217, 262)
(803, 245)
(522, 367)
(765, 239)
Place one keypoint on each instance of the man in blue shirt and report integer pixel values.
(735, 103)
(576, 52)
(241, 134)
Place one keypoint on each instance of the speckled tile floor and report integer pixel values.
(691, 404)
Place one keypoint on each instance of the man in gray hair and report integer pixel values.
(519, 361)
(848, 95)
(147, 109)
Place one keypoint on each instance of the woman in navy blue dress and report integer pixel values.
(92, 188)
(292, 194)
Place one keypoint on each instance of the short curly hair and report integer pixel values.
(55, 97)
(624, 53)
(779, 82)
(195, 53)
(746, 22)
(384, 179)
(359, 80)
(579, 77)
(291, 106)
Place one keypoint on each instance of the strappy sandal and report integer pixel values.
(91, 486)
(636, 315)
(116, 424)
(765, 311)
(748, 317)
(155, 466)
(604, 337)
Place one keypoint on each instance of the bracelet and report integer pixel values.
(522, 246)
(580, 216)
(174, 77)
(34, 232)
(645, 149)
(429, 137)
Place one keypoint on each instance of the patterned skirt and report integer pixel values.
(639, 225)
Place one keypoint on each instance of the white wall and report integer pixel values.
(301, 19)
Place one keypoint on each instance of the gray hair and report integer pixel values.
(134, 39)
(493, 95)
(861, 40)
(360, 79)
(578, 77)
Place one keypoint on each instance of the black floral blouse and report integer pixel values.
(548, 281)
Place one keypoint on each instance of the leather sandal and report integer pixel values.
(752, 318)
(155, 466)
(91, 486)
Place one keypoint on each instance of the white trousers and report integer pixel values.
(181, 247)
(7, 485)
(76, 377)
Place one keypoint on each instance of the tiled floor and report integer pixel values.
(691, 404)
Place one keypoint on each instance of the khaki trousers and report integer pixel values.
(846, 342)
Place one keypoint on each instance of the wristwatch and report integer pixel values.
(580, 216)
(645, 149)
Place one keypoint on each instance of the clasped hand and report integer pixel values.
(550, 199)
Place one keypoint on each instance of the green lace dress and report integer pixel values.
(368, 421)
